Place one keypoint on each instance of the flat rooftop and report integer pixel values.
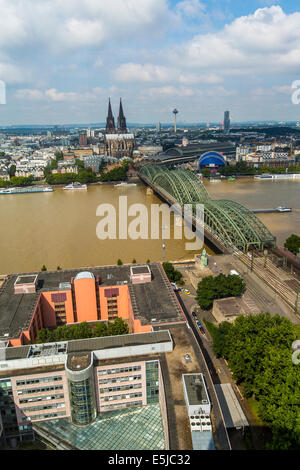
(231, 306)
(26, 279)
(233, 414)
(78, 361)
(140, 269)
(152, 300)
(195, 388)
(84, 346)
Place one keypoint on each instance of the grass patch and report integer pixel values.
(212, 329)
(297, 329)
(254, 409)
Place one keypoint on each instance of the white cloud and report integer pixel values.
(168, 91)
(77, 23)
(266, 41)
(29, 94)
(152, 73)
(53, 95)
(142, 73)
(11, 73)
(191, 8)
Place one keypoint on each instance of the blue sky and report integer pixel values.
(61, 60)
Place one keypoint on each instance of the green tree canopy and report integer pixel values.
(218, 287)
(292, 243)
(82, 330)
(172, 274)
(258, 351)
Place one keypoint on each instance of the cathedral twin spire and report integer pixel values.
(110, 121)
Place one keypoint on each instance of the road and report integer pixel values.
(218, 368)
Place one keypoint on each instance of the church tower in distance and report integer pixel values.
(110, 121)
(122, 127)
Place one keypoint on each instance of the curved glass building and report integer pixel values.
(79, 372)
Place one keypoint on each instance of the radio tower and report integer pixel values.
(175, 112)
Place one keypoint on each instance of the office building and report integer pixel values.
(139, 294)
(77, 380)
(83, 140)
(226, 122)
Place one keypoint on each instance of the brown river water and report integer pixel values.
(59, 228)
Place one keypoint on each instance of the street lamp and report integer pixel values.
(163, 244)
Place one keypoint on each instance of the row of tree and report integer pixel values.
(16, 181)
(258, 351)
(241, 168)
(116, 174)
(82, 330)
(83, 176)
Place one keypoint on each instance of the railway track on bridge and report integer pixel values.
(227, 224)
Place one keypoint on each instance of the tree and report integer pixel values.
(44, 336)
(119, 262)
(292, 243)
(12, 170)
(258, 350)
(43, 268)
(82, 330)
(219, 287)
(205, 172)
(133, 261)
(58, 268)
(116, 174)
(100, 329)
(59, 155)
(148, 261)
(21, 180)
(118, 327)
(172, 274)
(79, 163)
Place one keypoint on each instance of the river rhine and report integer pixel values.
(59, 228)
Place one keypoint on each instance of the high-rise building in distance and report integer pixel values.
(83, 139)
(226, 122)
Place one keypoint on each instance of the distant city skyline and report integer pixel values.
(61, 61)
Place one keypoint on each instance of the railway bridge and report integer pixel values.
(227, 224)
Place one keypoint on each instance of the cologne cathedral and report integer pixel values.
(118, 142)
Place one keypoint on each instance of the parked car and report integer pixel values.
(187, 292)
(194, 314)
(200, 327)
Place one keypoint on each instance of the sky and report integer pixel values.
(60, 60)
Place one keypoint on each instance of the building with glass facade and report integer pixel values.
(78, 380)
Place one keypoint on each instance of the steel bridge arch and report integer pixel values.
(166, 182)
(231, 222)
